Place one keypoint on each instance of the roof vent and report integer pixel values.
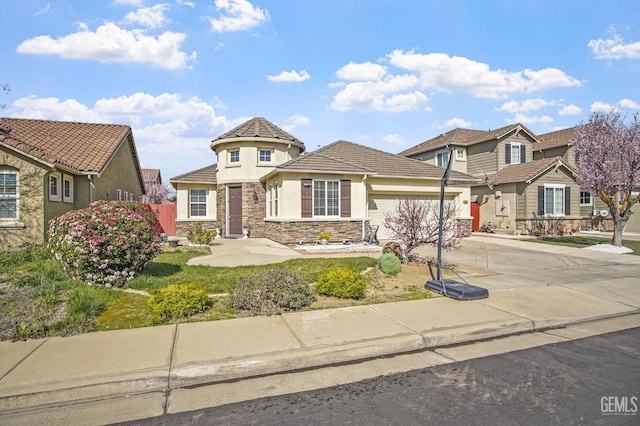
(5, 129)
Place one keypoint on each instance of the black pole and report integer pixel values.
(443, 184)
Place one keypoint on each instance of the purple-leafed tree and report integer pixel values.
(415, 223)
(607, 153)
(155, 193)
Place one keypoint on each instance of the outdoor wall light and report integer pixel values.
(255, 197)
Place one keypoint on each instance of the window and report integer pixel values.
(274, 201)
(419, 158)
(264, 155)
(67, 189)
(554, 200)
(234, 156)
(515, 153)
(442, 159)
(326, 198)
(459, 153)
(585, 198)
(197, 202)
(8, 194)
(54, 187)
(119, 195)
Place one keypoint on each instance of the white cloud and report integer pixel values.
(524, 106)
(361, 72)
(628, 103)
(614, 47)
(452, 123)
(289, 77)
(381, 95)
(136, 3)
(525, 119)
(186, 3)
(451, 74)
(110, 43)
(237, 15)
(44, 10)
(570, 110)
(149, 17)
(169, 129)
(603, 106)
(295, 121)
(394, 139)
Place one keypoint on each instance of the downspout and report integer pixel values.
(366, 206)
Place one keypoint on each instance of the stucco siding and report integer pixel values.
(120, 173)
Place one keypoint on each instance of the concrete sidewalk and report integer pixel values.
(146, 364)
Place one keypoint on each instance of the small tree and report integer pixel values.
(608, 163)
(155, 193)
(415, 223)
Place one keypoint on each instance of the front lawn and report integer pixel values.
(38, 299)
(580, 241)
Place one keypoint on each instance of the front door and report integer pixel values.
(235, 210)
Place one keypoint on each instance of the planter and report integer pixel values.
(324, 241)
(173, 243)
(218, 232)
(245, 233)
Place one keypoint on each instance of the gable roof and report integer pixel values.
(152, 175)
(466, 137)
(348, 157)
(555, 139)
(83, 147)
(258, 128)
(527, 172)
(205, 174)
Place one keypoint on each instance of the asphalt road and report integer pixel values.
(594, 380)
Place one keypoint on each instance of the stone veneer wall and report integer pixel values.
(292, 232)
(182, 227)
(254, 213)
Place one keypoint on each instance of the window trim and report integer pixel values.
(271, 154)
(16, 196)
(203, 203)
(555, 187)
(58, 194)
(67, 178)
(590, 203)
(461, 154)
(230, 152)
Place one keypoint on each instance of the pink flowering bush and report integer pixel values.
(107, 243)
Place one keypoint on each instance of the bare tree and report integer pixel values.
(608, 162)
(415, 223)
(6, 89)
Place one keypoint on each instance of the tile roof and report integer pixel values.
(151, 175)
(558, 138)
(85, 147)
(349, 157)
(465, 137)
(259, 128)
(526, 172)
(205, 174)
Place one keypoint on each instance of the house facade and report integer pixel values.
(558, 144)
(515, 189)
(48, 168)
(264, 180)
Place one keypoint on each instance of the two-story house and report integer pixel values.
(263, 178)
(593, 210)
(514, 188)
(50, 167)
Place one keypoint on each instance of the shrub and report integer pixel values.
(178, 301)
(271, 292)
(389, 264)
(198, 235)
(324, 236)
(106, 243)
(341, 282)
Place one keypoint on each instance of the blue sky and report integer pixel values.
(383, 73)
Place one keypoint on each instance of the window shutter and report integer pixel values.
(306, 198)
(523, 154)
(541, 200)
(567, 201)
(345, 198)
(507, 153)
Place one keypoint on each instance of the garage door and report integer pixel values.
(379, 204)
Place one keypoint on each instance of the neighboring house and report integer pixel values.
(263, 179)
(558, 144)
(515, 187)
(151, 176)
(50, 167)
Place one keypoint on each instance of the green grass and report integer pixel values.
(579, 241)
(171, 268)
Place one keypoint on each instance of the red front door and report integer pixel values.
(235, 210)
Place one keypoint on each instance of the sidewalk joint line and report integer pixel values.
(24, 358)
(167, 391)
(286, 323)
